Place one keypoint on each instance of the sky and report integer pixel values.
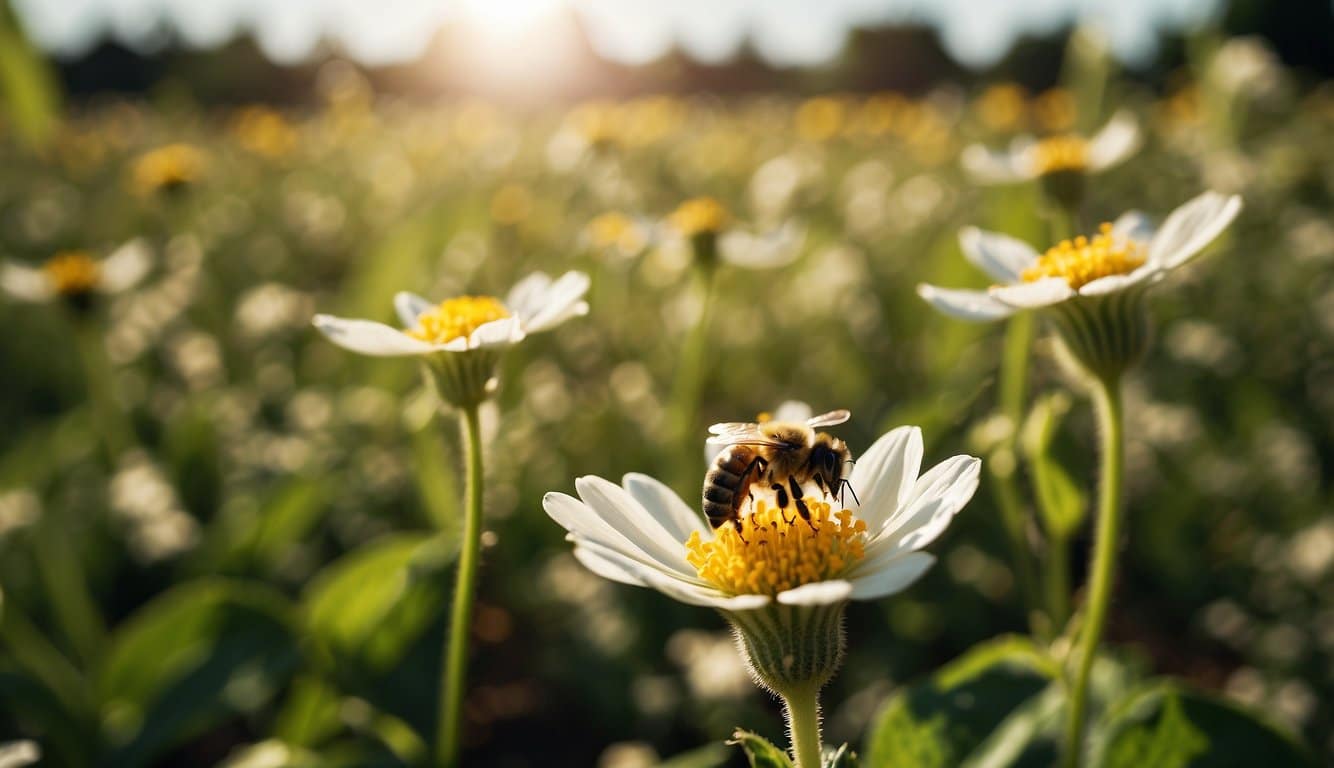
(786, 32)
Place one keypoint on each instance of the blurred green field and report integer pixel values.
(264, 520)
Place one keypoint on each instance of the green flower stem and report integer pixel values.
(1056, 579)
(1108, 394)
(1004, 486)
(109, 419)
(690, 381)
(452, 684)
(801, 705)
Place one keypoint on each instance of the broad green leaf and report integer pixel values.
(199, 653)
(309, 714)
(29, 91)
(760, 751)
(938, 723)
(1169, 726)
(1061, 501)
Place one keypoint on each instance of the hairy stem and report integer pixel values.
(801, 706)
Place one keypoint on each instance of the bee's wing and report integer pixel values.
(733, 432)
(829, 419)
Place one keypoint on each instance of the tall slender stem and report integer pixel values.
(1108, 394)
(1004, 486)
(109, 419)
(689, 381)
(453, 681)
(802, 708)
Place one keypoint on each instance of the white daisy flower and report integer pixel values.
(705, 226)
(1028, 158)
(861, 548)
(465, 322)
(1121, 256)
(460, 339)
(77, 275)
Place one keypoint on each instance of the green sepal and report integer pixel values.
(789, 647)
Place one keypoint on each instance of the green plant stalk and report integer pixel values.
(453, 682)
(801, 705)
(109, 419)
(66, 585)
(1013, 392)
(1056, 577)
(690, 380)
(1110, 421)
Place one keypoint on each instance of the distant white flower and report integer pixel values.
(705, 226)
(466, 322)
(1028, 158)
(1121, 256)
(77, 275)
(863, 548)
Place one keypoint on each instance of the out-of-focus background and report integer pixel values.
(252, 537)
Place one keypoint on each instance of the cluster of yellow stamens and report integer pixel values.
(1060, 153)
(72, 273)
(777, 550)
(1083, 260)
(700, 215)
(457, 317)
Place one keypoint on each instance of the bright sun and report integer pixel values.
(508, 14)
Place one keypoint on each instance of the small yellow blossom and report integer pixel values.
(457, 317)
(821, 118)
(1003, 106)
(1054, 110)
(1061, 153)
(615, 230)
(264, 131)
(700, 215)
(72, 273)
(167, 168)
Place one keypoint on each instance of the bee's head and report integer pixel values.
(828, 456)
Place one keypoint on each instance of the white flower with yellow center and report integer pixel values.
(705, 226)
(460, 338)
(782, 580)
(77, 276)
(1029, 158)
(1093, 283)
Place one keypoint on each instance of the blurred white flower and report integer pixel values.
(464, 323)
(77, 275)
(1123, 255)
(1028, 158)
(704, 226)
(642, 533)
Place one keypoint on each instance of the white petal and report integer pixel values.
(666, 507)
(497, 333)
(608, 565)
(590, 527)
(125, 267)
(819, 593)
(884, 475)
(1000, 256)
(25, 283)
(1114, 283)
(936, 497)
(552, 304)
(1116, 141)
(964, 304)
(691, 593)
(990, 166)
(767, 251)
(1035, 295)
(1191, 227)
(370, 338)
(894, 577)
(409, 306)
(1133, 225)
(792, 410)
(628, 517)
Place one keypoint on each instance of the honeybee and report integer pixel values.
(784, 455)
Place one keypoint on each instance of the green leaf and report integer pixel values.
(760, 751)
(843, 757)
(940, 722)
(1169, 726)
(29, 92)
(1061, 502)
(192, 657)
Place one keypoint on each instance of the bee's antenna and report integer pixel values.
(847, 484)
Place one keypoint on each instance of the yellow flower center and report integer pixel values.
(615, 230)
(457, 317)
(777, 550)
(1061, 153)
(168, 167)
(1083, 260)
(72, 272)
(700, 215)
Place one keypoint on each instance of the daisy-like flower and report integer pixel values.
(708, 228)
(461, 338)
(1094, 280)
(782, 580)
(168, 168)
(77, 276)
(1060, 161)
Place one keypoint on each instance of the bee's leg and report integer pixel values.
(802, 509)
(819, 483)
(736, 524)
(781, 493)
